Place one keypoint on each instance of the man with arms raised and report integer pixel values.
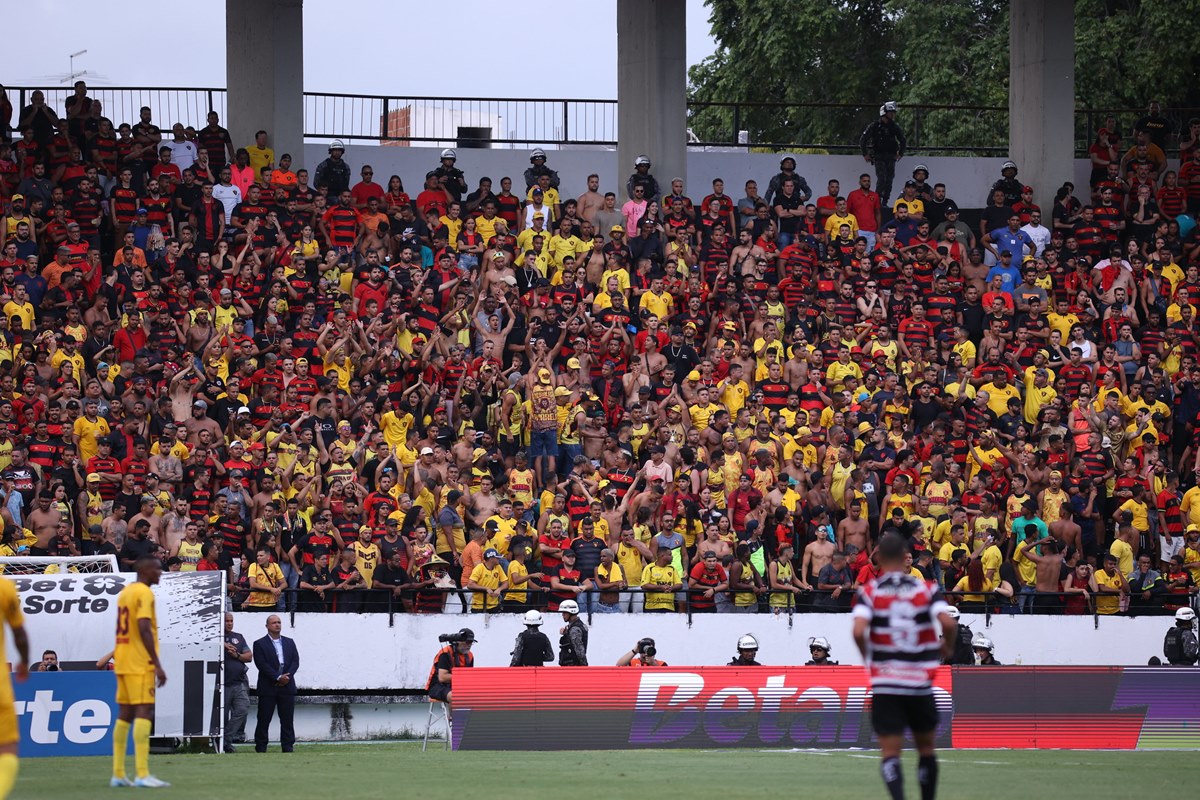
(894, 629)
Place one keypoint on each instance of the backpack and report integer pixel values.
(964, 654)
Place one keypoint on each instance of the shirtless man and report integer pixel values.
(853, 529)
(1065, 529)
(115, 526)
(1049, 575)
(43, 521)
(153, 520)
(174, 524)
(483, 503)
(817, 554)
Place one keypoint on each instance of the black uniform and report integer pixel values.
(572, 645)
(532, 650)
(737, 662)
(1180, 647)
(884, 143)
(332, 177)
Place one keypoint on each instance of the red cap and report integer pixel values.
(1027, 190)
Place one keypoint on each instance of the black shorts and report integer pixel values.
(438, 691)
(893, 714)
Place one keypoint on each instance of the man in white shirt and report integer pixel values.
(1038, 232)
(183, 152)
(225, 191)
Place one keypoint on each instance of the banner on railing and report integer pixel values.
(76, 616)
(826, 707)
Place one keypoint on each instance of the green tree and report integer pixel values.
(800, 53)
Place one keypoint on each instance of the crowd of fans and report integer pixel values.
(506, 394)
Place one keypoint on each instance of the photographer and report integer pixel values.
(455, 654)
(49, 662)
(644, 654)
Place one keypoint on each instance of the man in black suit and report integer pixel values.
(277, 660)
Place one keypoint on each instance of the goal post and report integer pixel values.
(51, 565)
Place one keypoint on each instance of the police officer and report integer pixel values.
(883, 145)
(538, 161)
(641, 177)
(533, 647)
(573, 642)
(747, 652)
(449, 176)
(1179, 645)
(963, 654)
(818, 648)
(1008, 184)
(984, 650)
(333, 174)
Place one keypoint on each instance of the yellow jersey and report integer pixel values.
(134, 604)
(488, 579)
(516, 569)
(663, 576)
(366, 559)
(10, 612)
(1107, 603)
(272, 576)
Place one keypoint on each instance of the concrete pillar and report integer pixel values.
(264, 73)
(1041, 94)
(652, 91)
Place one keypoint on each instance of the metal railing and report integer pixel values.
(384, 601)
(482, 121)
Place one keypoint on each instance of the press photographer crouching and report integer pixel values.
(644, 654)
(456, 654)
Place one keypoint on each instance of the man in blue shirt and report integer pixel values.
(1010, 275)
(1012, 238)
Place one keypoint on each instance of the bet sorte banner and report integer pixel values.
(75, 615)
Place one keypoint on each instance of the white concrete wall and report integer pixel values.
(349, 651)
(967, 179)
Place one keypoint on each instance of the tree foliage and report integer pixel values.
(922, 52)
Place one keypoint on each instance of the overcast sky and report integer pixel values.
(167, 44)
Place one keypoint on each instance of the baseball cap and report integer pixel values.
(573, 363)
(1026, 190)
(562, 391)
(544, 375)
(17, 197)
(426, 451)
(694, 375)
(491, 552)
(478, 453)
(616, 228)
(199, 404)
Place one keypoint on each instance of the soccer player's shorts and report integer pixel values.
(893, 714)
(9, 733)
(135, 688)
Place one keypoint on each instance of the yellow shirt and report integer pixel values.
(1026, 569)
(663, 576)
(991, 559)
(1124, 553)
(516, 569)
(1107, 603)
(271, 575)
(259, 158)
(88, 433)
(366, 559)
(488, 579)
(966, 350)
(632, 563)
(10, 612)
(22, 310)
(835, 374)
(988, 586)
(833, 222)
(916, 206)
(502, 538)
(1035, 399)
(395, 427)
(525, 239)
(660, 305)
(701, 415)
(998, 398)
(135, 603)
(1141, 521)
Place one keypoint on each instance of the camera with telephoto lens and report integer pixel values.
(463, 635)
(646, 648)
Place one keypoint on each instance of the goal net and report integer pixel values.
(50, 565)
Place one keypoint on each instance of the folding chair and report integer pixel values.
(438, 711)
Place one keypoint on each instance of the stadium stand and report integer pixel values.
(493, 397)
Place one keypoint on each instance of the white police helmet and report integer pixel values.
(747, 642)
(818, 642)
(336, 144)
(981, 642)
(1185, 615)
(537, 153)
(533, 618)
(568, 607)
(450, 154)
(642, 161)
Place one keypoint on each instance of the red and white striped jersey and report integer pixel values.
(903, 652)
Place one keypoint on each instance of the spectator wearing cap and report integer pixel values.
(487, 581)
(916, 206)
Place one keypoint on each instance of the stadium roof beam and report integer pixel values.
(264, 73)
(1041, 93)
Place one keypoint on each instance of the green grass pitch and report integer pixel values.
(378, 770)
